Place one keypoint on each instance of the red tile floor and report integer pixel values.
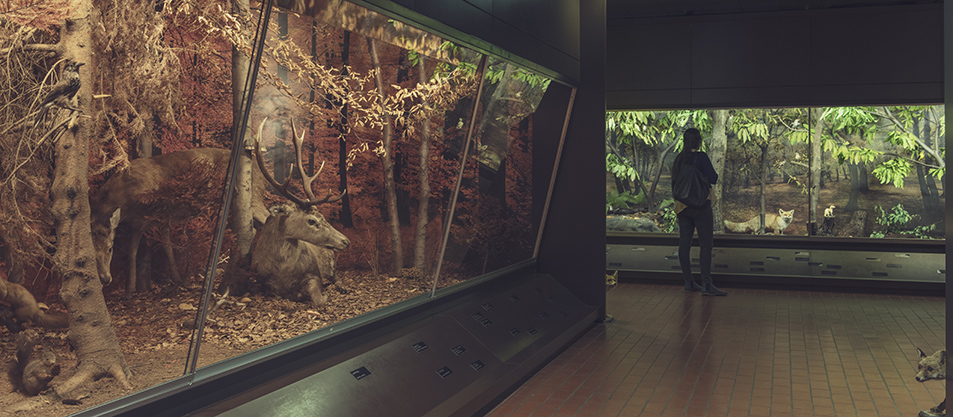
(753, 353)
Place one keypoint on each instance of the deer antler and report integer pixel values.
(308, 180)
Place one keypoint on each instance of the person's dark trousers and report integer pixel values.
(690, 220)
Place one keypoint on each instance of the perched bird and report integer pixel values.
(64, 90)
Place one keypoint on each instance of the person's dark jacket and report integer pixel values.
(700, 160)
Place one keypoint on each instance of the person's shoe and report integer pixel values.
(710, 289)
(692, 286)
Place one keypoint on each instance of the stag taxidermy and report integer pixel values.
(294, 250)
(124, 198)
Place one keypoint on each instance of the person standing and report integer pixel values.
(691, 219)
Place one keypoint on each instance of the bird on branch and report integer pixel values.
(63, 92)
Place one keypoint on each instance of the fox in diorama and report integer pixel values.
(932, 367)
(772, 222)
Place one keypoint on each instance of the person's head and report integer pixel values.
(691, 140)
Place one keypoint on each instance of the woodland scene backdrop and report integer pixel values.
(850, 171)
(395, 120)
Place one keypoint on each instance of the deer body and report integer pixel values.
(294, 253)
(294, 250)
(120, 199)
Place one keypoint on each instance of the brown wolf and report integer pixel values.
(932, 367)
(772, 222)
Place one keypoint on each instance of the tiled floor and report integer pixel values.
(753, 353)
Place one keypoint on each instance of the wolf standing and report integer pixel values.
(695, 218)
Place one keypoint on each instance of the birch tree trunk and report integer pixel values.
(814, 188)
(420, 240)
(91, 332)
(390, 186)
(242, 219)
(717, 151)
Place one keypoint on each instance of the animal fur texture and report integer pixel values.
(294, 253)
(930, 368)
(25, 308)
(120, 199)
(775, 223)
(31, 373)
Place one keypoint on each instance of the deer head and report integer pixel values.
(104, 233)
(303, 222)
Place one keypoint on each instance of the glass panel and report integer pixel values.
(385, 112)
(493, 219)
(885, 163)
(364, 93)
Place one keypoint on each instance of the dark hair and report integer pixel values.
(691, 139)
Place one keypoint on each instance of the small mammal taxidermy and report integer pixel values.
(26, 309)
(31, 373)
(772, 222)
(932, 367)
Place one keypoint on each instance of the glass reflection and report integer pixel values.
(392, 115)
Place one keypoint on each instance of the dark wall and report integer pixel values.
(872, 55)
(574, 239)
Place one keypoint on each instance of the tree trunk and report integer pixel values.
(346, 219)
(390, 186)
(764, 180)
(863, 184)
(814, 174)
(928, 190)
(242, 219)
(144, 267)
(717, 151)
(854, 174)
(91, 333)
(423, 204)
(650, 193)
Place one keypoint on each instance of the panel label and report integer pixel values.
(444, 372)
(360, 373)
(420, 347)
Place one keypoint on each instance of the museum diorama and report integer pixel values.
(263, 179)
(841, 192)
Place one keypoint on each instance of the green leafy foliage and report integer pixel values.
(620, 168)
(669, 218)
(616, 200)
(894, 221)
(893, 171)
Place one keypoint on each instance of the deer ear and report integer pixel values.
(114, 219)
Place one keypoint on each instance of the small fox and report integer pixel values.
(772, 222)
(932, 367)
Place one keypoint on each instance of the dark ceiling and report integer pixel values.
(622, 9)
